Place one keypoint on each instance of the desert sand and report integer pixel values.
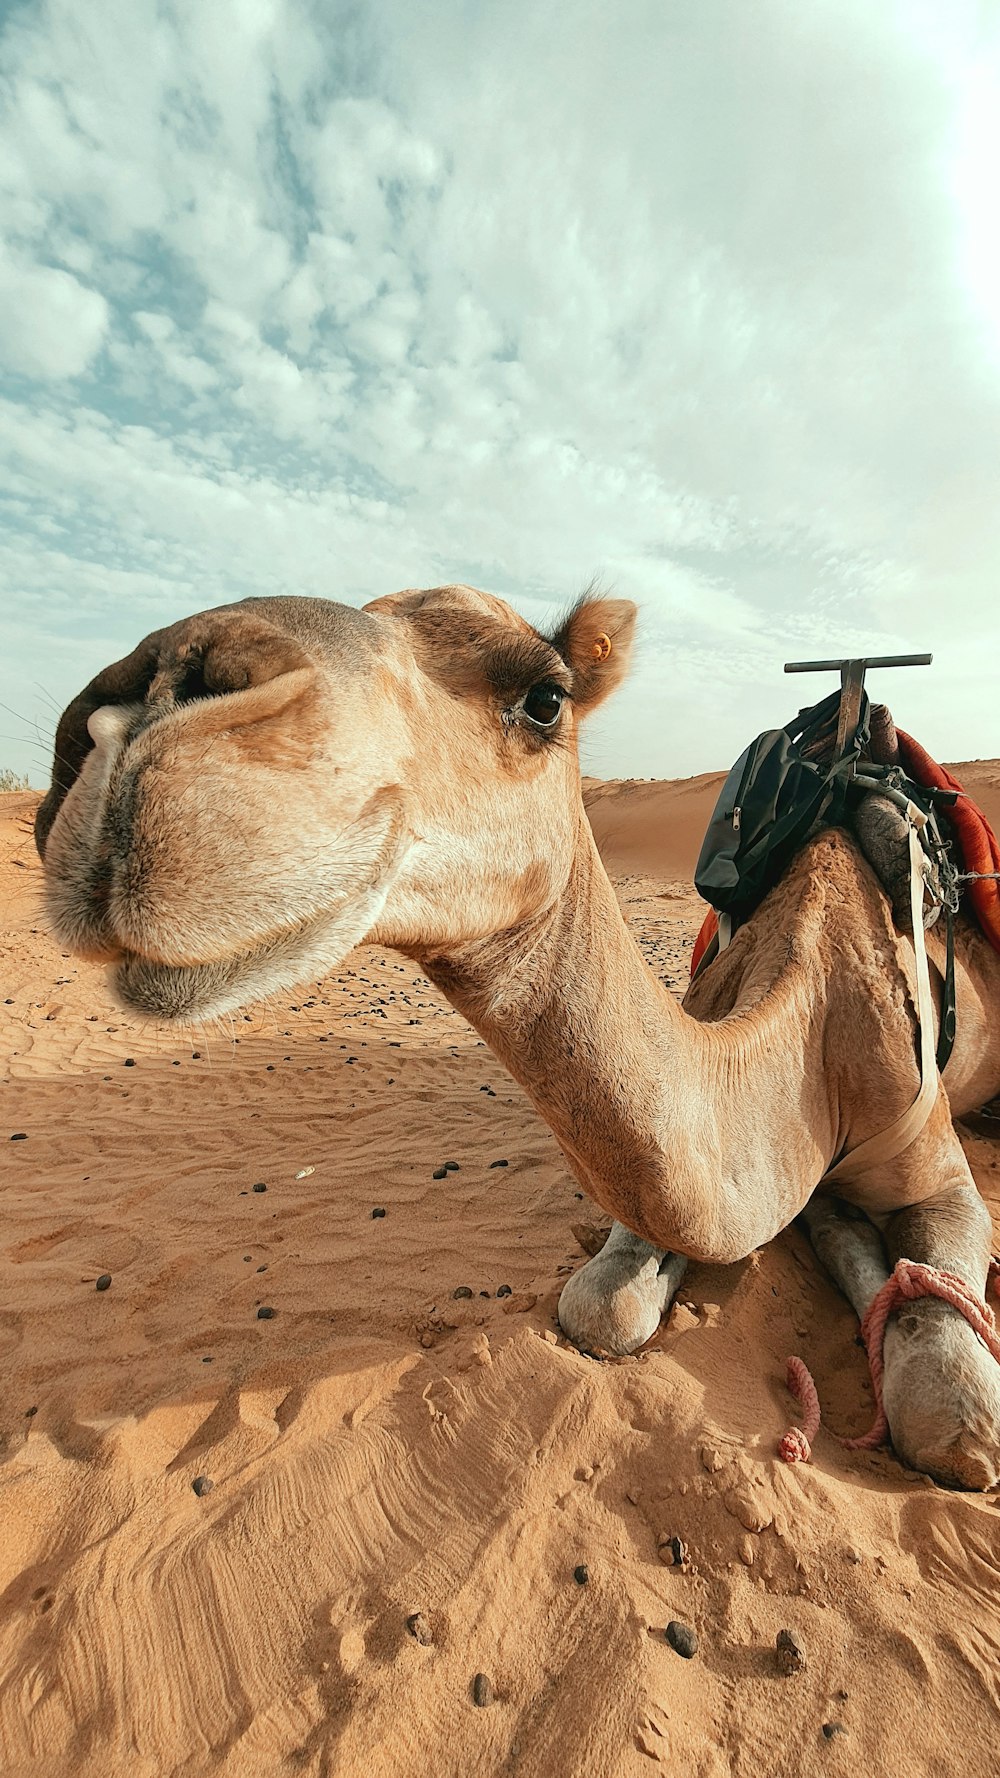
(405, 1476)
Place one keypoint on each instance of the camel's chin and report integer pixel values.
(182, 993)
(360, 865)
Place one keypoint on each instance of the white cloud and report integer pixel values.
(697, 299)
(51, 325)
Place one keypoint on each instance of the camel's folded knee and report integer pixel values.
(601, 1314)
(942, 1396)
(614, 1303)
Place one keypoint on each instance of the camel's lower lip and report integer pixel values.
(184, 991)
(360, 867)
(304, 952)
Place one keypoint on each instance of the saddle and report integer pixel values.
(842, 762)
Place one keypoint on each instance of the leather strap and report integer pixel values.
(946, 1034)
(899, 1135)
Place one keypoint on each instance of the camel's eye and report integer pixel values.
(543, 705)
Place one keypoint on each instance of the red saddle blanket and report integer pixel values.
(977, 844)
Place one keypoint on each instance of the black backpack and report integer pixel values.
(770, 801)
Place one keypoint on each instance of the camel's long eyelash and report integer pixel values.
(514, 667)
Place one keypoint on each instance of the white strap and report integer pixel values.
(899, 1135)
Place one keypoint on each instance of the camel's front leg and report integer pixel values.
(614, 1302)
(850, 1248)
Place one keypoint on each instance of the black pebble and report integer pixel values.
(202, 1484)
(104, 1281)
(682, 1639)
(832, 1728)
(581, 1574)
(482, 1691)
(260, 1186)
(20, 1136)
(463, 1290)
(451, 1166)
(499, 1163)
(266, 1314)
(130, 1061)
(789, 1653)
(29, 1413)
(505, 1290)
(440, 1173)
(378, 1213)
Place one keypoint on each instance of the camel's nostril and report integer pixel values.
(107, 725)
(250, 657)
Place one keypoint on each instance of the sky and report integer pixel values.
(696, 297)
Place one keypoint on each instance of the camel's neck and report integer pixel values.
(697, 1136)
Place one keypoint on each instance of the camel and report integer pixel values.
(257, 789)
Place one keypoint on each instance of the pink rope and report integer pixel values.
(796, 1446)
(909, 1281)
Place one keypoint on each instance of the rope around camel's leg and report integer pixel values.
(941, 1382)
(910, 1282)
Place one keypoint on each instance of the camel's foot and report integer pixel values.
(614, 1303)
(941, 1392)
(941, 1388)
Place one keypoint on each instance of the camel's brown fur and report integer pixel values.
(259, 788)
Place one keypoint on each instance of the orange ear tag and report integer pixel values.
(601, 650)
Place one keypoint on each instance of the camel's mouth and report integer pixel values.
(202, 910)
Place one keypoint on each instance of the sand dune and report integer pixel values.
(380, 1446)
(657, 829)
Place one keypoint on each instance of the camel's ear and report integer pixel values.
(596, 643)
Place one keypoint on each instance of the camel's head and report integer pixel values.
(253, 791)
